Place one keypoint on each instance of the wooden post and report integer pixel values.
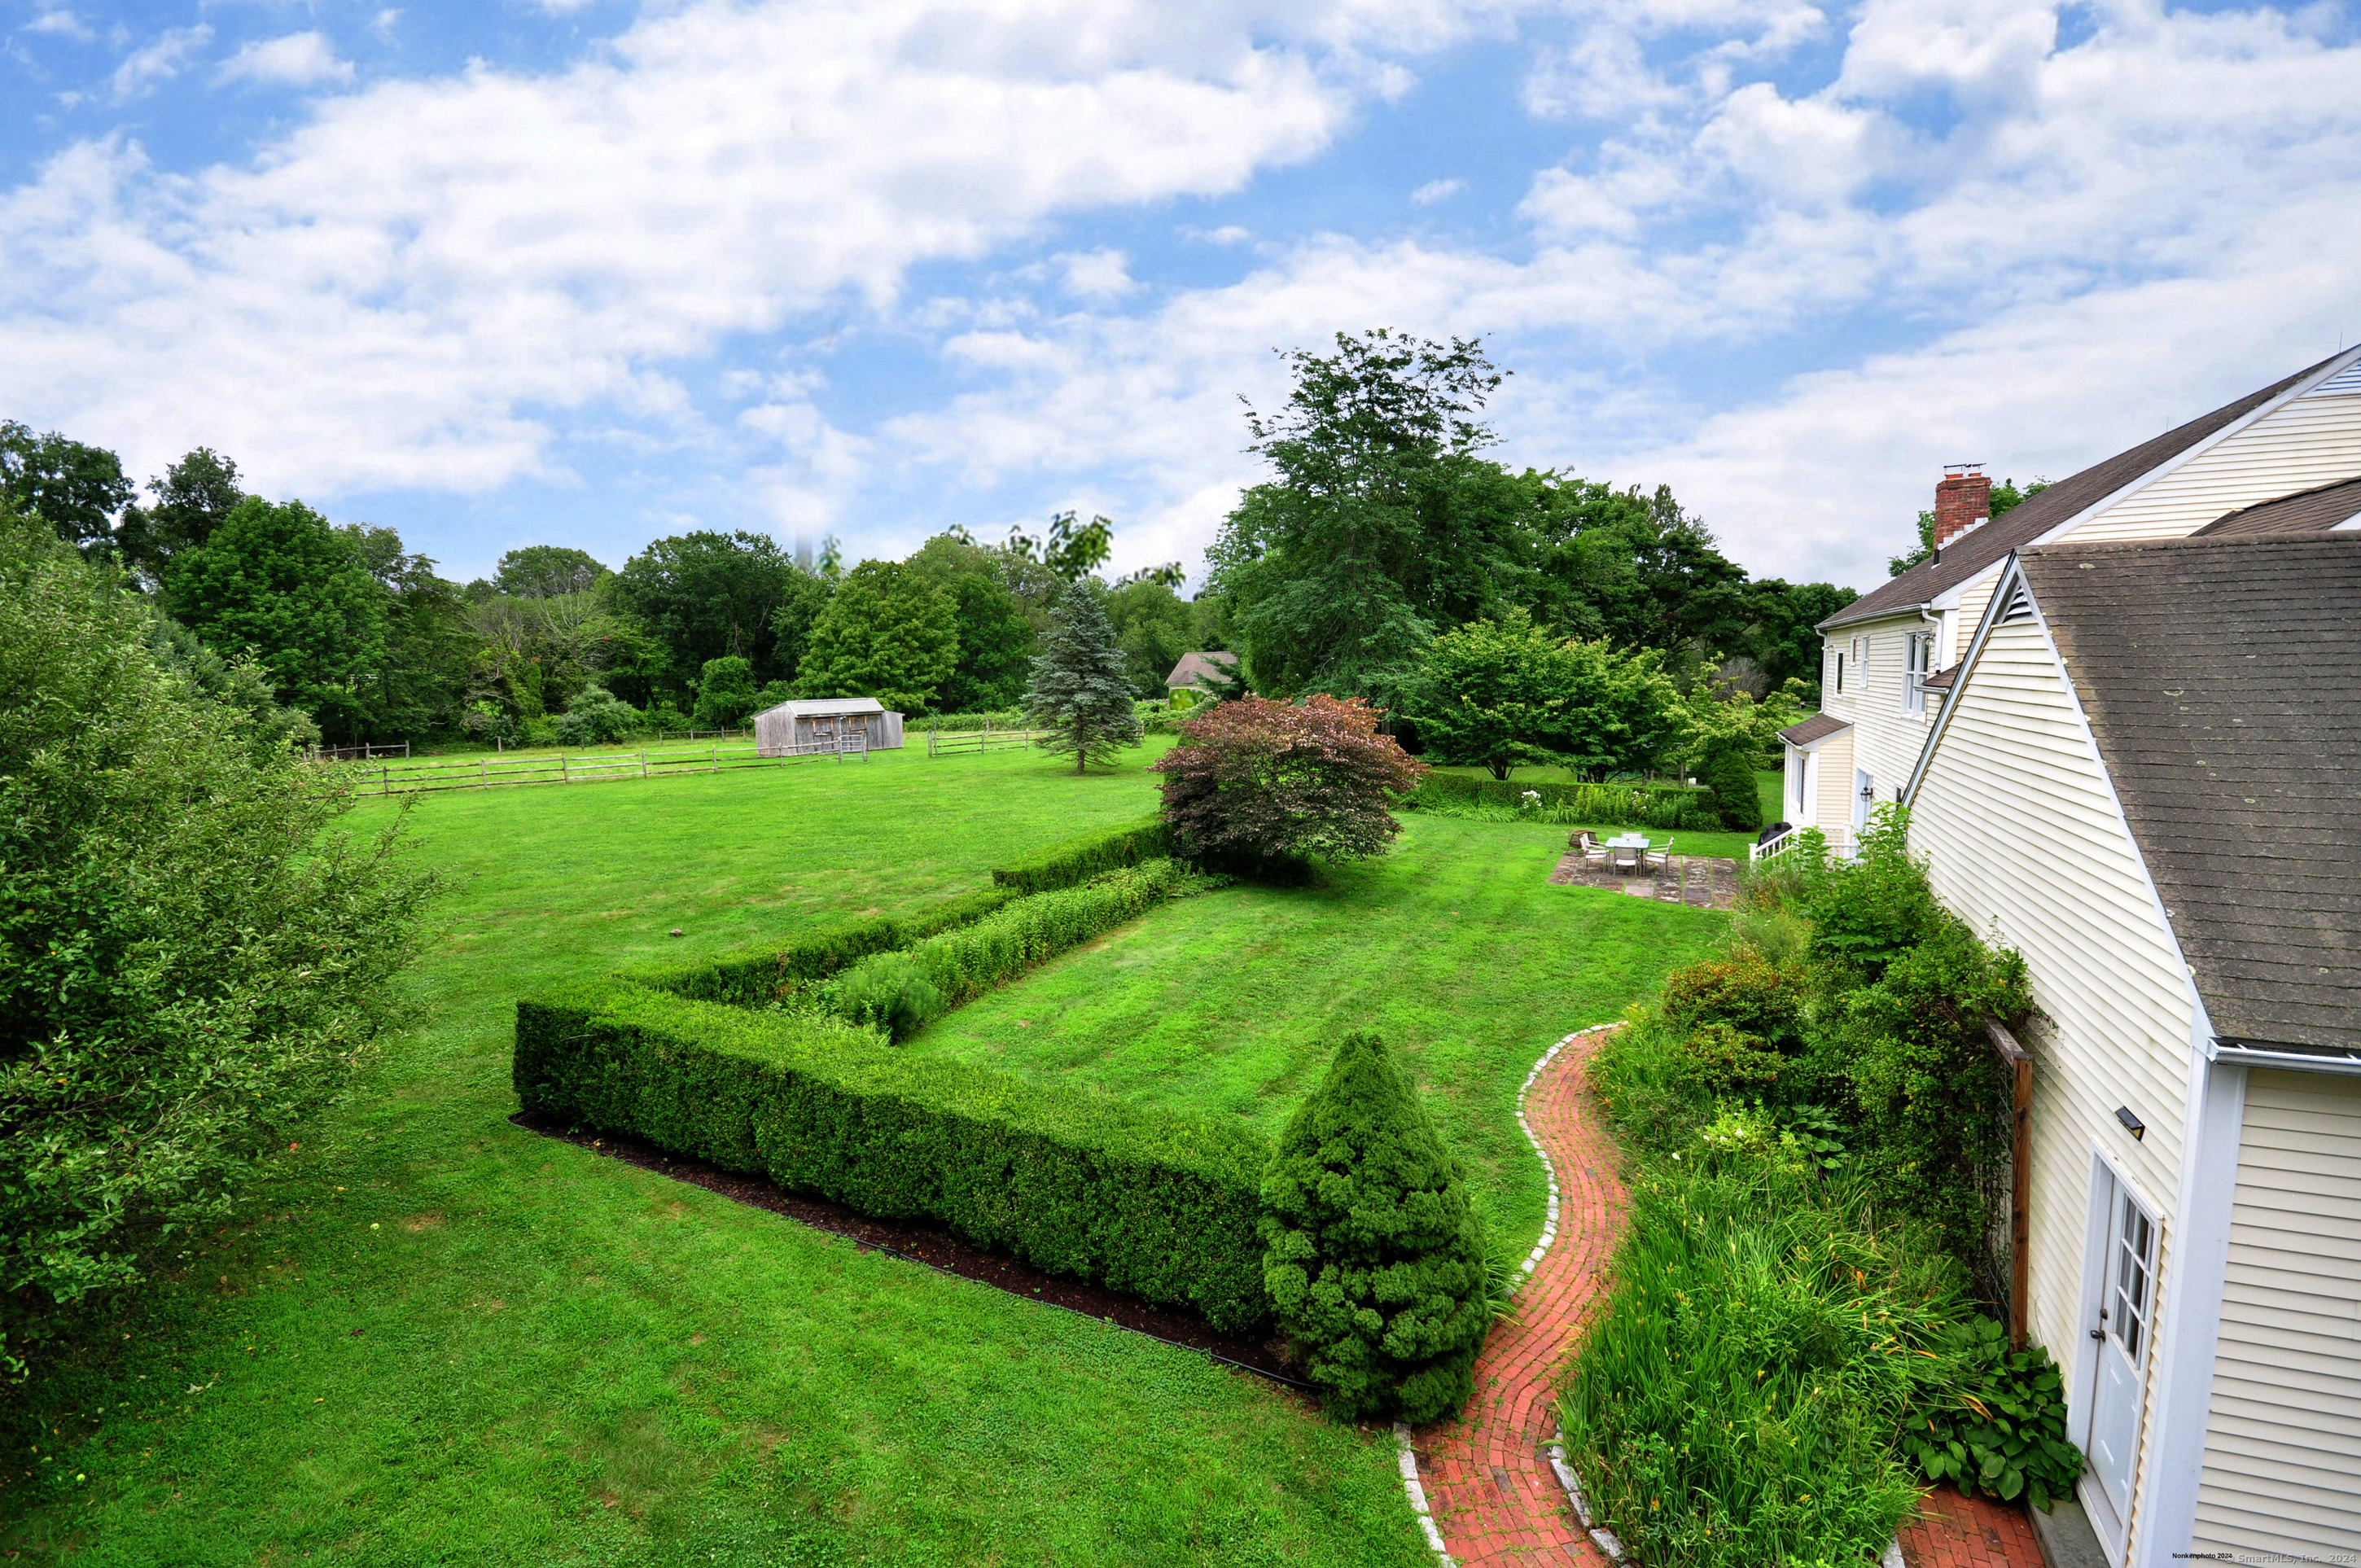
(561, 769)
(2020, 1175)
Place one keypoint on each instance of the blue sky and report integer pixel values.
(509, 273)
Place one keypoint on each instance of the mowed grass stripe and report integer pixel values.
(1454, 947)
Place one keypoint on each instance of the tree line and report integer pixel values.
(1383, 533)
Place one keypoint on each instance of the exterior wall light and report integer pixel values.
(2132, 1124)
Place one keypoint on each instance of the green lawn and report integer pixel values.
(436, 1339)
(1454, 947)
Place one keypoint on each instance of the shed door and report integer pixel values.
(2283, 1435)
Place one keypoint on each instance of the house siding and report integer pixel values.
(2024, 840)
(2313, 439)
(1832, 789)
(2283, 1442)
(1884, 740)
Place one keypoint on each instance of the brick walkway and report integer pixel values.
(1954, 1532)
(1492, 1491)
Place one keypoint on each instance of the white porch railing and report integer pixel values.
(1769, 848)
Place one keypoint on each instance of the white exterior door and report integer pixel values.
(2127, 1271)
(1865, 791)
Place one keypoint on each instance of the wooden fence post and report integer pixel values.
(2020, 1179)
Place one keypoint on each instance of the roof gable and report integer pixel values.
(2221, 682)
(2315, 510)
(1980, 549)
(1195, 667)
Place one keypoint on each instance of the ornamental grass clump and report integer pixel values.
(1736, 1405)
(1374, 1258)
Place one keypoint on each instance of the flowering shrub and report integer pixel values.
(1262, 781)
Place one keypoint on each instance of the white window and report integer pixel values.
(1918, 650)
(1835, 680)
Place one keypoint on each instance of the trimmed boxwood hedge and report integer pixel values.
(757, 977)
(1159, 1206)
(961, 964)
(1648, 805)
(1079, 859)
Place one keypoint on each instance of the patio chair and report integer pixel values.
(1588, 842)
(1656, 857)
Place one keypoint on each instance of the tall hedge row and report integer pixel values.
(1159, 1206)
(1079, 859)
(1639, 805)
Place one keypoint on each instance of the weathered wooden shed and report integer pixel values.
(826, 724)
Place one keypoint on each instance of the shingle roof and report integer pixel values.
(2222, 678)
(2029, 519)
(1818, 727)
(1940, 681)
(1195, 667)
(2315, 510)
(825, 707)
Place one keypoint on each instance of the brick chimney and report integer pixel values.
(1962, 499)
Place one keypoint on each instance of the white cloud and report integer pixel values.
(1098, 276)
(60, 24)
(157, 61)
(298, 60)
(2156, 220)
(1436, 190)
(383, 23)
(417, 285)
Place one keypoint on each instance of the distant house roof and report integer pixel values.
(2316, 511)
(1819, 727)
(1196, 668)
(2222, 678)
(2027, 520)
(825, 706)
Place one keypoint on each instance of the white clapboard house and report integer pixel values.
(2293, 447)
(2147, 778)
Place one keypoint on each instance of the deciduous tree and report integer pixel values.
(888, 633)
(1496, 694)
(1255, 780)
(76, 490)
(192, 498)
(192, 957)
(278, 582)
(707, 596)
(547, 571)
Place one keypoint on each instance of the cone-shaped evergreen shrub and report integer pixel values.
(1375, 1256)
(1728, 770)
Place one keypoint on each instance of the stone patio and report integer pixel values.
(1707, 881)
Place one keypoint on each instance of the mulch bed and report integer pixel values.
(939, 1249)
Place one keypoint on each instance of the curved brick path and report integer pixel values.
(1493, 1495)
(1492, 1492)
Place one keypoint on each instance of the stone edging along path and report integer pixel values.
(1498, 1486)
(1495, 1486)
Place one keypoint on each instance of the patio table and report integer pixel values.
(1626, 848)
